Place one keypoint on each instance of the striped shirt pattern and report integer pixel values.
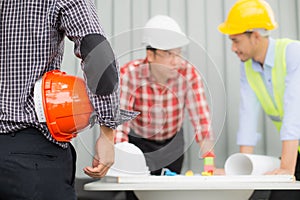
(31, 43)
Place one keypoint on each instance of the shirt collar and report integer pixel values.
(145, 69)
(270, 57)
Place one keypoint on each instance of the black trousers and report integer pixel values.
(279, 194)
(161, 154)
(32, 168)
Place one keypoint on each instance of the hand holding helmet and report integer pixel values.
(62, 102)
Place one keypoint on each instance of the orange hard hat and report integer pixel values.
(246, 15)
(62, 102)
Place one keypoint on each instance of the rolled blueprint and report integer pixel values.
(250, 164)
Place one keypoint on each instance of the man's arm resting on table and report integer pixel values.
(289, 155)
(246, 149)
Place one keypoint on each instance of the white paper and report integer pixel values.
(250, 164)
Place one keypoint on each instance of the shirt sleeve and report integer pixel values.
(197, 106)
(248, 113)
(126, 102)
(79, 19)
(290, 129)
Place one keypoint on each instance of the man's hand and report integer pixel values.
(279, 171)
(105, 154)
(288, 158)
(246, 149)
(219, 171)
(208, 146)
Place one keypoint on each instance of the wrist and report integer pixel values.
(107, 132)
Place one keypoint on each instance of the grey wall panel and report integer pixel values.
(140, 14)
(216, 75)
(195, 53)
(106, 15)
(157, 7)
(231, 68)
(121, 37)
(210, 52)
(177, 10)
(287, 18)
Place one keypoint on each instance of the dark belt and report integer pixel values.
(160, 142)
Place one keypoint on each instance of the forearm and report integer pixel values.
(104, 154)
(289, 155)
(206, 146)
(247, 149)
(107, 133)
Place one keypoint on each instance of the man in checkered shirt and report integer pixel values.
(33, 165)
(160, 87)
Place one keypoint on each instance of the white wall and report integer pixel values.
(209, 50)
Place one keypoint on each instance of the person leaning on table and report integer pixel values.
(161, 86)
(34, 165)
(270, 77)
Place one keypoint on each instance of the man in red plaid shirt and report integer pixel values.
(160, 87)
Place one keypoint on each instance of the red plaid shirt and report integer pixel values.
(162, 107)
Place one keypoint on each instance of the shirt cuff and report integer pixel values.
(248, 139)
(123, 116)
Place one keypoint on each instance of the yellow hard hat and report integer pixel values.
(246, 15)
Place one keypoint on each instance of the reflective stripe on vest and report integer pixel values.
(273, 109)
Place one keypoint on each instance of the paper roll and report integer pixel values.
(250, 164)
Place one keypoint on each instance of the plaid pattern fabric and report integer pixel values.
(162, 106)
(31, 43)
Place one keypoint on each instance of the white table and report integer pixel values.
(182, 187)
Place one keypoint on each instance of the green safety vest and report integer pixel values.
(274, 109)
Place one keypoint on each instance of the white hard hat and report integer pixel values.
(129, 161)
(163, 32)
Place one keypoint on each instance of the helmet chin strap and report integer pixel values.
(38, 101)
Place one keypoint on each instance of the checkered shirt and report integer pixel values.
(162, 106)
(31, 43)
